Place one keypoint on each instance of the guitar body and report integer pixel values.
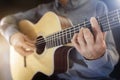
(50, 61)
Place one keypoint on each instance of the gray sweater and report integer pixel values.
(77, 11)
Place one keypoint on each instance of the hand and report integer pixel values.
(89, 46)
(22, 44)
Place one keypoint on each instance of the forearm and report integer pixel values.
(106, 63)
(9, 24)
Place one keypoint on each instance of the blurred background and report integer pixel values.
(12, 6)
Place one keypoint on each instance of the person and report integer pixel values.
(94, 54)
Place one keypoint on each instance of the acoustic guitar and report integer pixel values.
(53, 36)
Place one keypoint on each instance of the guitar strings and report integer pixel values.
(110, 16)
(51, 38)
(74, 27)
(41, 42)
(59, 36)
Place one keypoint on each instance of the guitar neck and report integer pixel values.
(107, 22)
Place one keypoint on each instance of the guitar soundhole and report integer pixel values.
(40, 45)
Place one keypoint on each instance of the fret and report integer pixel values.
(50, 41)
(84, 24)
(57, 40)
(71, 32)
(114, 19)
(53, 40)
(66, 36)
(46, 39)
(118, 12)
(108, 21)
(47, 42)
(103, 22)
(118, 15)
(103, 19)
(77, 29)
(62, 36)
(79, 26)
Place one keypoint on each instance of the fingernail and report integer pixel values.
(28, 49)
(85, 29)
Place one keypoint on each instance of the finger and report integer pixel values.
(100, 38)
(88, 36)
(22, 52)
(95, 24)
(30, 44)
(96, 30)
(28, 40)
(75, 42)
(81, 39)
(27, 47)
(104, 35)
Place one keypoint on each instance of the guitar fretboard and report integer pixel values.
(107, 22)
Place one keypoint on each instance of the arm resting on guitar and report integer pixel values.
(9, 24)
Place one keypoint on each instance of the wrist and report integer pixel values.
(94, 57)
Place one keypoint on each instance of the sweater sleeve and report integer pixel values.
(101, 8)
(106, 63)
(9, 24)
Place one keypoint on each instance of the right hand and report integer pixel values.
(22, 44)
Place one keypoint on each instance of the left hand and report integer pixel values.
(88, 45)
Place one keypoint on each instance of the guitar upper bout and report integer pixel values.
(27, 28)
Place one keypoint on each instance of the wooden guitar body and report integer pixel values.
(51, 60)
(52, 32)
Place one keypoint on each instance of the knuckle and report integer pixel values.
(79, 37)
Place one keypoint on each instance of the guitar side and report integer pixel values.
(44, 62)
